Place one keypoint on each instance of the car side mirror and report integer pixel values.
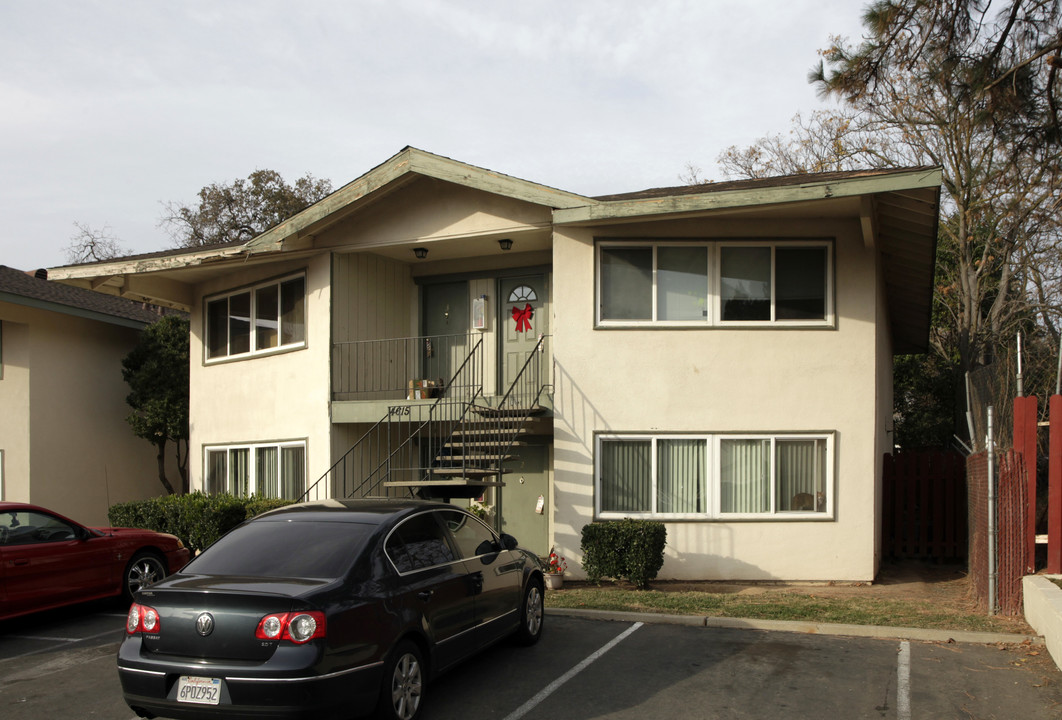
(508, 541)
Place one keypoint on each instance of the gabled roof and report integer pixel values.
(897, 210)
(396, 171)
(22, 289)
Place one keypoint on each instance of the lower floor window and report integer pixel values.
(275, 470)
(710, 476)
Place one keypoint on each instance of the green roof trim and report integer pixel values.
(753, 193)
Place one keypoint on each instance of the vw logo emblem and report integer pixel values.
(204, 624)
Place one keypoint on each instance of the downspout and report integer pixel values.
(991, 517)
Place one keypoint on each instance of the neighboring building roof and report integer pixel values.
(21, 288)
(172, 252)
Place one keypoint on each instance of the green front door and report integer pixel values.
(524, 318)
(446, 323)
(526, 503)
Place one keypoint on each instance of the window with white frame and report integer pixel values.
(275, 470)
(265, 318)
(697, 283)
(702, 477)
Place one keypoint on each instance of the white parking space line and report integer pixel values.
(553, 686)
(64, 641)
(903, 682)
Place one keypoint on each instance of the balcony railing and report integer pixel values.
(383, 369)
(401, 445)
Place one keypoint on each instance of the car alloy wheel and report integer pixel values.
(405, 691)
(532, 615)
(143, 570)
(533, 610)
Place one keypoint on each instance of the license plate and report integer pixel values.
(199, 690)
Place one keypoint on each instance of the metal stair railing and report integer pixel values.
(520, 402)
(396, 446)
(485, 443)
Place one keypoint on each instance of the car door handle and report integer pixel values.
(22, 561)
(426, 595)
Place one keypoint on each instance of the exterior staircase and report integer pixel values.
(454, 447)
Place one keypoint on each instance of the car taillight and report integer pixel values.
(142, 618)
(298, 627)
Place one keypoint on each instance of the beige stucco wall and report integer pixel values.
(268, 398)
(431, 210)
(14, 404)
(63, 432)
(717, 380)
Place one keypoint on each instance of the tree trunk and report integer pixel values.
(182, 466)
(161, 458)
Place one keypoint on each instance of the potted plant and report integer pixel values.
(555, 567)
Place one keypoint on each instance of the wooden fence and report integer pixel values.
(924, 514)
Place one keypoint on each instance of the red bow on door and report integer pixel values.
(523, 317)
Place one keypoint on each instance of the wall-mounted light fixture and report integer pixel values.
(421, 253)
(505, 244)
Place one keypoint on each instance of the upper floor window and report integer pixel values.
(700, 283)
(265, 318)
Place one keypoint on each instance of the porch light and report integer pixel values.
(505, 244)
(421, 253)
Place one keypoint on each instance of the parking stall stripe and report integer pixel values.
(553, 686)
(903, 682)
(64, 641)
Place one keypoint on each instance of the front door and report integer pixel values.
(525, 515)
(524, 318)
(446, 323)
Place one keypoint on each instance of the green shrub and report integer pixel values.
(631, 549)
(196, 518)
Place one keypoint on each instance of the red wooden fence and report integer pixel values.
(925, 512)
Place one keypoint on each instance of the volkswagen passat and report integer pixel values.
(327, 610)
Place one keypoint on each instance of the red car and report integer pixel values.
(47, 560)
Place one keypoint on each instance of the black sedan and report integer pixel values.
(327, 610)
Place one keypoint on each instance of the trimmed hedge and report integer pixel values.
(197, 519)
(631, 549)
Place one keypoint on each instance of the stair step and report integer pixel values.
(447, 488)
(478, 457)
(481, 444)
(519, 412)
(480, 432)
(466, 472)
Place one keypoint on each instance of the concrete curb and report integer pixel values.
(809, 628)
(1043, 611)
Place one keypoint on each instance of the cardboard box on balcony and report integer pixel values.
(421, 390)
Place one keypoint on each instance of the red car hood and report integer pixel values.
(136, 533)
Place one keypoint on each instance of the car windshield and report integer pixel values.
(284, 549)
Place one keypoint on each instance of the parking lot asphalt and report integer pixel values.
(61, 665)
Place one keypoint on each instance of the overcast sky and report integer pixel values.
(110, 109)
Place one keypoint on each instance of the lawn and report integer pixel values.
(853, 607)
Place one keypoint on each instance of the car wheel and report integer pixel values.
(532, 613)
(146, 568)
(405, 677)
